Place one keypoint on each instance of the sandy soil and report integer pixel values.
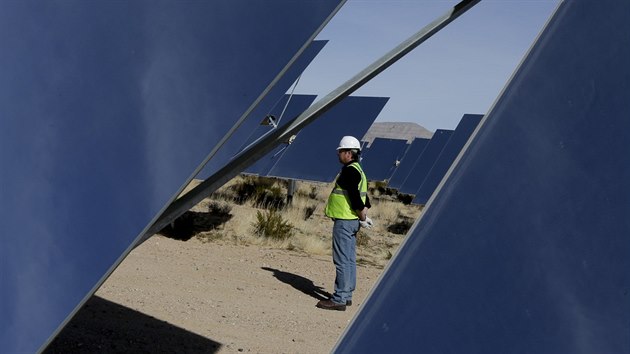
(226, 289)
(175, 296)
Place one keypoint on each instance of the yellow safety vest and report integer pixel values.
(338, 206)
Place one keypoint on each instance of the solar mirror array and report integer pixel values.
(526, 246)
(414, 150)
(108, 109)
(423, 163)
(382, 157)
(417, 168)
(312, 156)
(455, 143)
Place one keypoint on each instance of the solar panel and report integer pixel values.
(425, 161)
(381, 159)
(108, 108)
(407, 162)
(273, 104)
(526, 246)
(312, 156)
(460, 136)
(296, 106)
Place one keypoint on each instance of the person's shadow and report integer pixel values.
(300, 283)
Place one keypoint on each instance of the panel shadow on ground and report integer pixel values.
(104, 326)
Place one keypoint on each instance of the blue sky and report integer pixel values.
(461, 69)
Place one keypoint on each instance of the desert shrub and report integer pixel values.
(308, 192)
(224, 194)
(378, 184)
(388, 255)
(219, 209)
(401, 225)
(404, 198)
(313, 193)
(308, 211)
(268, 182)
(377, 187)
(264, 192)
(269, 197)
(244, 190)
(270, 224)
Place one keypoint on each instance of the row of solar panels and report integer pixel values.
(415, 168)
(312, 155)
(418, 168)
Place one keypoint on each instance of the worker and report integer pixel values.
(347, 206)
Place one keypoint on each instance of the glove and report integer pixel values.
(367, 223)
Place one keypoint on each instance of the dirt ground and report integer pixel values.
(175, 296)
(222, 288)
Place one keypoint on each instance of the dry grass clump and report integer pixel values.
(383, 211)
(313, 245)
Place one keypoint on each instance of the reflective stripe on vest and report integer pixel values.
(338, 206)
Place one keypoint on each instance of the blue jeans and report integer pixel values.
(345, 259)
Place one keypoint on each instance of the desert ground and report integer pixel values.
(215, 282)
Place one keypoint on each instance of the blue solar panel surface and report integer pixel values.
(526, 248)
(460, 136)
(312, 156)
(380, 159)
(423, 164)
(297, 105)
(108, 107)
(410, 157)
(274, 103)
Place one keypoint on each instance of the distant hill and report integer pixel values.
(396, 130)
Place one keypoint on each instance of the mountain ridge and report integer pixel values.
(396, 130)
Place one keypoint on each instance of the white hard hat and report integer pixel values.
(349, 142)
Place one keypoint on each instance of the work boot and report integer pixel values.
(331, 305)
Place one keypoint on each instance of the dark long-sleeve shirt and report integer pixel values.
(349, 179)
